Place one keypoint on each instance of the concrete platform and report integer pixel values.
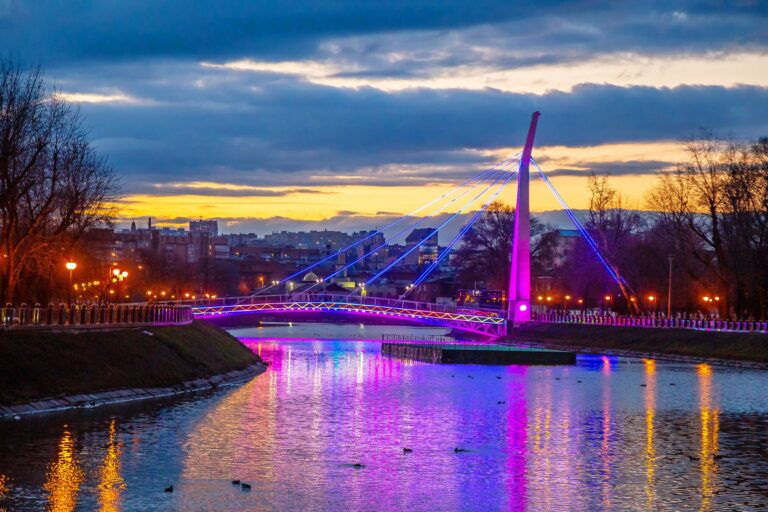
(460, 353)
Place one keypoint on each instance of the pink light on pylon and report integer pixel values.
(520, 264)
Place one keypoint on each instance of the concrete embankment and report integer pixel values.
(117, 396)
(682, 343)
(53, 370)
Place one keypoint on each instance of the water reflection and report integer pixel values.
(605, 444)
(64, 477)
(111, 482)
(650, 451)
(606, 434)
(710, 426)
(4, 489)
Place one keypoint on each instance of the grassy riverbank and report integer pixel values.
(36, 365)
(686, 342)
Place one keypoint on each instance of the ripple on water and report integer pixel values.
(325, 428)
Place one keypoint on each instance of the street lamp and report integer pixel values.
(669, 287)
(70, 265)
(119, 276)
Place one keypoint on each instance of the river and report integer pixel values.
(607, 434)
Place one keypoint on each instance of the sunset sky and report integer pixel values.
(253, 112)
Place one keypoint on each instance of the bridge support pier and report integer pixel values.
(519, 296)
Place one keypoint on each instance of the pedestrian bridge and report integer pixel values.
(490, 323)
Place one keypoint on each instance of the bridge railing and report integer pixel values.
(340, 298)
(93, 316)
(654, 322)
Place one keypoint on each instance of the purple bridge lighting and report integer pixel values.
(490, 323)
(279, 299)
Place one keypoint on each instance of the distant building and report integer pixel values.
(245, 240)
(564, 243)
(211, 227)
(427, 251)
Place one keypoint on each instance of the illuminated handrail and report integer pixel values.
(342, 299)
(93, 316)
(740, 326)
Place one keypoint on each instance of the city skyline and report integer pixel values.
(329, 112)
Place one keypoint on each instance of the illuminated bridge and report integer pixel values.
(478, 193)
(485, 322)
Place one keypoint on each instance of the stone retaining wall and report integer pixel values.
(87, 401)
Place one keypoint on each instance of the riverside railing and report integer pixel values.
(742, 326)
(92, 316)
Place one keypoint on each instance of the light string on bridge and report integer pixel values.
(481, 176)
(458, 237)
(437, 229)
(499, 173)
(580, 227)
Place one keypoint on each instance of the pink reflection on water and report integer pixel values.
(517, 438)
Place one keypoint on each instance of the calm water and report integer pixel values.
(607, 434)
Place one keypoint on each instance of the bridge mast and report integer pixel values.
(519, 297)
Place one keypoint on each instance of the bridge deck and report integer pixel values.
(483, 321)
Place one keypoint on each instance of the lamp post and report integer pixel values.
(652, 302)
(118, 277)
(71, 266)
(669, 287)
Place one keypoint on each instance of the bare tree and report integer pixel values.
(53, 186)
(715, 206)
(615, 227)
(486, 248)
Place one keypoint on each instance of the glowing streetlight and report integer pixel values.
(70, 265)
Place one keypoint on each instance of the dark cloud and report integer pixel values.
(255, 132)
(226, 192)
(56, 33)
(186, 122)
(83, 29)
(624, 168)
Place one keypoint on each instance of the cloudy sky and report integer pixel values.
(257, 112)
